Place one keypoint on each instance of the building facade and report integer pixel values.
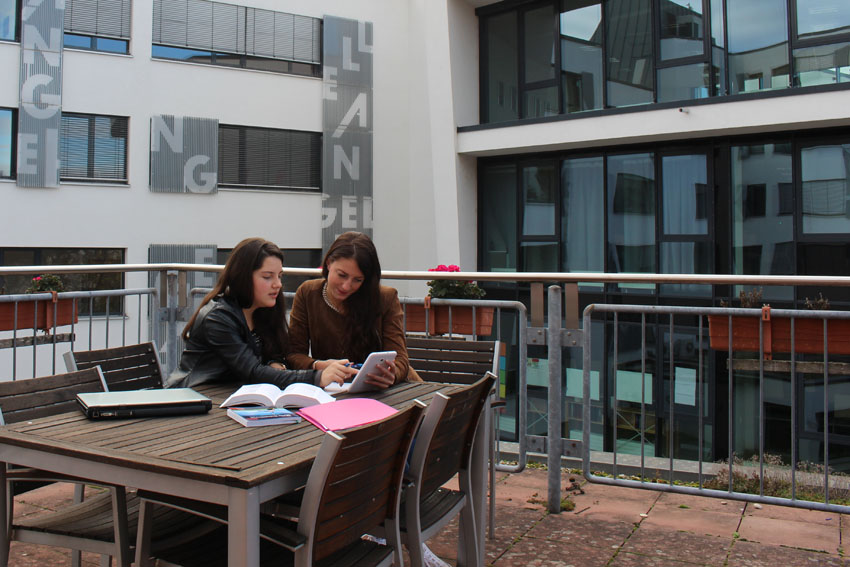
(704, 136)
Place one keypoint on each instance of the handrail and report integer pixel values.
(555, 277)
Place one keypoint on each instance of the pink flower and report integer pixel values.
(454, 268)
(37, 278)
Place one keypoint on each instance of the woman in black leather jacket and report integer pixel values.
(239, 334)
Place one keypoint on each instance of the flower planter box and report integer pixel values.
(808, 334)
(67, 312)
(437, 318)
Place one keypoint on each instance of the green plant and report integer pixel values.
(46, 282)
(453, 289)
(820, 303)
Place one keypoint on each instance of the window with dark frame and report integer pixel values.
(266, 158)
(8, 130)
(93, 148)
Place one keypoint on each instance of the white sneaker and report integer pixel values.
(431, 560)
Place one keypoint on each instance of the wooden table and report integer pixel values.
(207, 457)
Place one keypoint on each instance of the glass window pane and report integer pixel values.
(684, 195)
(581, 56)
(819, 18)
(629, 52)
(718, 67)
(631, 213)
(758, 45)
(539, 256)
(539, 44)
(762, 236)
(541, 102)
(5, 142)
(686, 258)
(682, 29)
(502, 53)
(582, 213)
(76, 41)
(687, 82)
(717, 23)
(822, 65)
(538, 196)
(498, 217)
(825, 172)
(8, 20)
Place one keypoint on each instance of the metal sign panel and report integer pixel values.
(40, 93)
(184, 154)
(347, 126)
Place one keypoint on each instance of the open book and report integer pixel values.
(297, 395)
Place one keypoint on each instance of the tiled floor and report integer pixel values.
(610, 526)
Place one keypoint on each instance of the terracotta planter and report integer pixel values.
(67, 312)
(437, 318)
(808, 334)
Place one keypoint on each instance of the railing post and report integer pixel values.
(554, 444)
(171, 330)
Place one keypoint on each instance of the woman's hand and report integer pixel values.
(278, 365)
(334, 371)
(383, 377)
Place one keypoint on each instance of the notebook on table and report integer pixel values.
(143, 403)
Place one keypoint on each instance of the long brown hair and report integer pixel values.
(236, 282)
(363, 308)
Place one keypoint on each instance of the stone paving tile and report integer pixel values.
(775, 531)
(576, 531)
(532, 552)
(695, 514)
(826, 519)
(614, 502)
(653, 541)
(625, 559)
(748, 554)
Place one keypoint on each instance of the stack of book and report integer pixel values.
(254, 416)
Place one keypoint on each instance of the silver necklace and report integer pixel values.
(328, 301)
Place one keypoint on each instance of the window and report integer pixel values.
(7, 139)
(215, 33)
(98, 25)
(581, 55)
(93, 148)
(629, 52)
(73, 282)
(263, 158)
(9, 17)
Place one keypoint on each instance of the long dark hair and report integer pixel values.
(363, 308)
(236, 283)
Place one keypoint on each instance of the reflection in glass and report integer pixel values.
(629, 52)
(718, 67)
(758, 45)
(687, 82)
(632, 400)
(582, 213)
(684, 194)
(538, 196)
(539, 45)
(5, 142)
(686, 258)
(825, 173)
(820, 18)
(502, 49)
(822, 65)
(8, 21)
(682, 29)
(762, 237)
(540, 102)
(631, 213)
(717, 23)
(540, 256)
(581, 56)
(498, 217)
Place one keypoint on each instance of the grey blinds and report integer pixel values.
(237, 29)
(103, 18)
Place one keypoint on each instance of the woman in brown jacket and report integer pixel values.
(344, 316)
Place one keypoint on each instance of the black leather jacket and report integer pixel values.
(221, 349)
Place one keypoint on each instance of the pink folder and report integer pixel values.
(343, 414)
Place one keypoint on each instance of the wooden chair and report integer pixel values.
(354, 487)
(131, 367)
(24, 400)
(443, 449)
(452, 360)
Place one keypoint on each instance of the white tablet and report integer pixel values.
(358, 384)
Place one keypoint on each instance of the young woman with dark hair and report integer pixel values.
(344, 316)
(239, 332)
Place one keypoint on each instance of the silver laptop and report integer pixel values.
(143, 403)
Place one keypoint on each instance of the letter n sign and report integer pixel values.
(184, 154)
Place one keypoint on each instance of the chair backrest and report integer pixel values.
(452, 360)
(131, 367)
(444, 443)
(31, 398)
(355, 482)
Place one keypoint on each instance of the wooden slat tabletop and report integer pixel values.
(210, 447)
